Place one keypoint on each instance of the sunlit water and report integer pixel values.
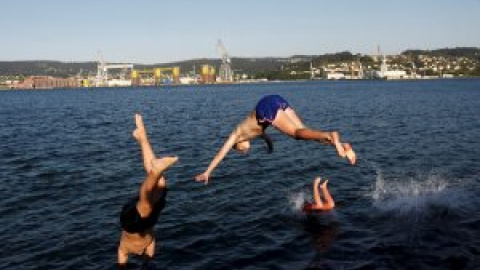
(68, 163)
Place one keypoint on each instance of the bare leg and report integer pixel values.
(150, 250)
(316, 195)
(159, 165)
(152, 182)
(283, 123)
(122, 259)
(140, 134)
(294, 118)
(153, 166)
(148, 255)
(329, 203)
(350, 153)
(338, 145)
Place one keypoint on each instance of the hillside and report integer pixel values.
(270, 67)
(63, 69)
(468, 52)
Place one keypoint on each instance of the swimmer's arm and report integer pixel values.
(232, 139)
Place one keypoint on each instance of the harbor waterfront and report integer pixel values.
(68, 163)
(409, 65)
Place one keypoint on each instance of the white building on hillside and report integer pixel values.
(335, 76)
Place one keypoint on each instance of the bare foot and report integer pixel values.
(324, 184)
(317, 180)
(160, 165)
(352, 157)
(338, 145)
(140, 133)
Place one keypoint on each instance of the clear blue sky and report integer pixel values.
(158, 31)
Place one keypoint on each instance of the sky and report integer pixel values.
(158, 31)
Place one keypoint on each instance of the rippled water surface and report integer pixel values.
(68, 163)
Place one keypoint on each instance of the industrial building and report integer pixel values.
(46, 82)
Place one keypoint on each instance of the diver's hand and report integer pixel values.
(202, 177)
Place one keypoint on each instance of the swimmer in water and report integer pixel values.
(318, 204)
(274, 110)
(140, 214)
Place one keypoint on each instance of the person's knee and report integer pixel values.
(298, 134)
(153, 173)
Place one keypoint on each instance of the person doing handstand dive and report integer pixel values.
(274, 110)
(139, 215)
(318, 204)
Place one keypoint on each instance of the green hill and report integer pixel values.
(267, 67)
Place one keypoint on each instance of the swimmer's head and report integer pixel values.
(242, 146)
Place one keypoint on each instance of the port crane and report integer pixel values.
(102, 70)
(225, 73)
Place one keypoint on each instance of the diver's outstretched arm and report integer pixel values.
(232, 139)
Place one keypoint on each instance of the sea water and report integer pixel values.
(68, 163)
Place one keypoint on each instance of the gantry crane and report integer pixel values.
(225, 73)
(102, 70)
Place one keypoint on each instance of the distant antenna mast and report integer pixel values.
(225, 72)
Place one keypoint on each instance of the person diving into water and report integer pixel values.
(139, 215)
(274, 110)
(319, 204)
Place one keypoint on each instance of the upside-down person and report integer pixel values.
(139, 215)
(318, 204)
(273, 110)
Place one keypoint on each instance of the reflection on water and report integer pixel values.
(324, 229)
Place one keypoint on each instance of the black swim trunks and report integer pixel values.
(132, 222)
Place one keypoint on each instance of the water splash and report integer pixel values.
(297, 200)
(412, 194)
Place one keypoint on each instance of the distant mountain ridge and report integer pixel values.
(470, 52)
(66, 69)
(251, 66)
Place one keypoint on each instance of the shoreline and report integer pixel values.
(3, 88)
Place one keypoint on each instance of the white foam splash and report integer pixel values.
(409, 195)
(297, 200)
